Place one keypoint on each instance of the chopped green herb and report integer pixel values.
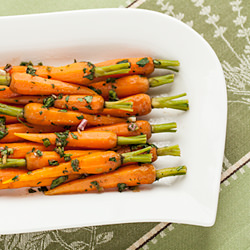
(43, 189)
(53, 85)
(58, 181)
(39, 153)
(88, 107)
(26, 63)
(60, 151)
(30, 70)
(75, 165)
(80, 99)
(40, 64)
(113, 95)
(15, 178)
(60, 96)
(63, 110)
(66, 106)
(75, 61)
(2, 89)
(123, 61)
(48, 102)
(80, 117)
(98, 91)
(46, 142)
(31, 191)
(142, 62)
(88, 98)
(67, 98)
(3, 129)
(114, 87)
(96, 184)
(30, 172)
(67, 157)
(113, 159)
(90, 76)
(49, 76)
(74, 108)
(122, 187)
(61, 140)
(74, 136)
(48, 68)
(111, 80)
(53, 163)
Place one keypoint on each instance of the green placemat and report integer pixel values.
(226, 26)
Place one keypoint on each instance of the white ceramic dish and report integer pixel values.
(97, 35)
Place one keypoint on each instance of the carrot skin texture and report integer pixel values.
(95, 163)
(35, 162)
(141, 106)
(132, 175)
(7, 93)
(125, 86)
(86, 139)
(22, 148)
(135, 69)
(9, 119)
(122, 129)
(27, 84)
(22, 100)
(7, 173)
(21, 128)
(34, 113)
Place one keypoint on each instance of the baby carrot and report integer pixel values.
(27, 84)
(143, 104)
(11, 129)
(9, 119)
(85, 139)
(128, 85)
(6, 92)
(95, 163)
(136, 128)
(142, 65)
(123, 178)
(20, 149)
(8, 173)
(39, 114)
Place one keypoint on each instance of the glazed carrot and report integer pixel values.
(38, 183)
(85, 139)
(143, 104)
(141, 65)
(38, 114)
(128, 85)
(9, 119)
(95, 163)
(21, 128)
(48, 158)
(22, 148)
(122, 178)
(19, 69)
(6, 92)
(27, 84)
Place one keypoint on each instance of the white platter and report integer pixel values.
(97, 35)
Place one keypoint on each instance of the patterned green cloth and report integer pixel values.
(226, 26)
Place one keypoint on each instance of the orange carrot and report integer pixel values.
(6, 174)
(95, 163)
(85, 139)
(143, 104)
(38, 114)
(27, 84)
(21, 128)
(9, 119)
(6, 92)
(122, 178)
(37, 183)
(136, 128)
(47, 158)
(141, 65)
(22, 148)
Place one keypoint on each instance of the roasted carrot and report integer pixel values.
(136, 128)
(40, 183)
(39, 114)
(51, 158)
(95, 163)
(8, 173)
(121, 179)
(11, 129)
(85, 139)
(143, 104)
(19, 150)
(27, 84)
(128, 85)
(9, 119)
(83, 103)
(141, 65)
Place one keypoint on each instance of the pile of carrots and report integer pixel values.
(74, 128)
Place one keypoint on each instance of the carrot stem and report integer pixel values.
(140, 139)
(5, 79)
(144, 158)
(164, 64)
(165, 127)
(122, 68)
(169, 150)
(168, 102)
(160, 80)
(12, 163)
(122, 104)
(10, 110)
(161, 173)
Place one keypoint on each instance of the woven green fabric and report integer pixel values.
(226, 26)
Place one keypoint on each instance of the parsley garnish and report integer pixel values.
(98, 91)
(88, 107)
(113, 159)
(80, 117)
(113, 95)
(58, 181)
(46, 142)
(96, 184)
(75, 165)
(67, 157)
(111, 80)
(88, 98)
(67, 98)
(30, 70)
(26, 63)
(48, 102)
(123, 61)
(74, 136)
(142, 62)
(122, 187)
(61, 140)
(39, 153)
(53, 163)
(74, 108)
(31, 190)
